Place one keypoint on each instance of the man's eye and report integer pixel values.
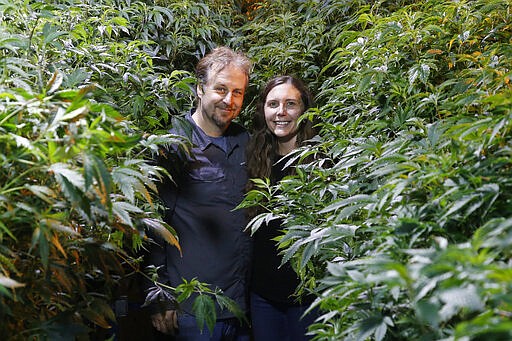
(220, 90)
(238, 93)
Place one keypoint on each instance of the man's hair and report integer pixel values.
(218, 59)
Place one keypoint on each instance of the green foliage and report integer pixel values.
(206, 301)
(76, 191)
(204, 305)
(391, 224)
(401, 224)
(281, 38)
(140, 54)
(67, 189)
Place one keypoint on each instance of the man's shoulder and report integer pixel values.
(182, 126)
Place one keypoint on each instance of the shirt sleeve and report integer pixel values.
(168, 190)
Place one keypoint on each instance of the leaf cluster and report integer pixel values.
(390, 224)
(398, 217)
(76, 193)
(86, 89)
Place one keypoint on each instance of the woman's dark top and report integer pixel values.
(269, 280)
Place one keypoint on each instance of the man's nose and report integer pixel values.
(228, 98)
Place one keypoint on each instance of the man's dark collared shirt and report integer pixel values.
(210, 183)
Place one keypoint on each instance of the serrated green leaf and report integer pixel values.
(204, 311)
(95, 168)
(65, 171)
(44, 248)
(51, 36)
(309, 250)
(43, 192)
(360, 200)
(374, 324)
(75, 113)
(455, 299)
(225, 302)
(428, 312)
(256, 222)
(123, 209)
(58, 226)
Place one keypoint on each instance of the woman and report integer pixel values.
(275, 312)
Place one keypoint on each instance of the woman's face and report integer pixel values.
(283, 107)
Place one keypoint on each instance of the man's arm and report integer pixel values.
(160, 302)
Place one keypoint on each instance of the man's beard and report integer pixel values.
(222, 121)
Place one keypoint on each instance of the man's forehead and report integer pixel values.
(228, 75)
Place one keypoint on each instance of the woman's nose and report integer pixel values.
(281, 110)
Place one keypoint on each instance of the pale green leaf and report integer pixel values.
(64, 170)
(123, 209)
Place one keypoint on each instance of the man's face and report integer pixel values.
(221, 98)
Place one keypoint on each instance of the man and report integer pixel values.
(207, 185)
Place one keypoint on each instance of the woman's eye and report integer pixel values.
(291, 104)
(272, 104)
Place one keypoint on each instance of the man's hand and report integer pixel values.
(166, 323)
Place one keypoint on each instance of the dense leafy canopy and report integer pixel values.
(401, 225)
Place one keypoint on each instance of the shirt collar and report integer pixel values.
(203, 141)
